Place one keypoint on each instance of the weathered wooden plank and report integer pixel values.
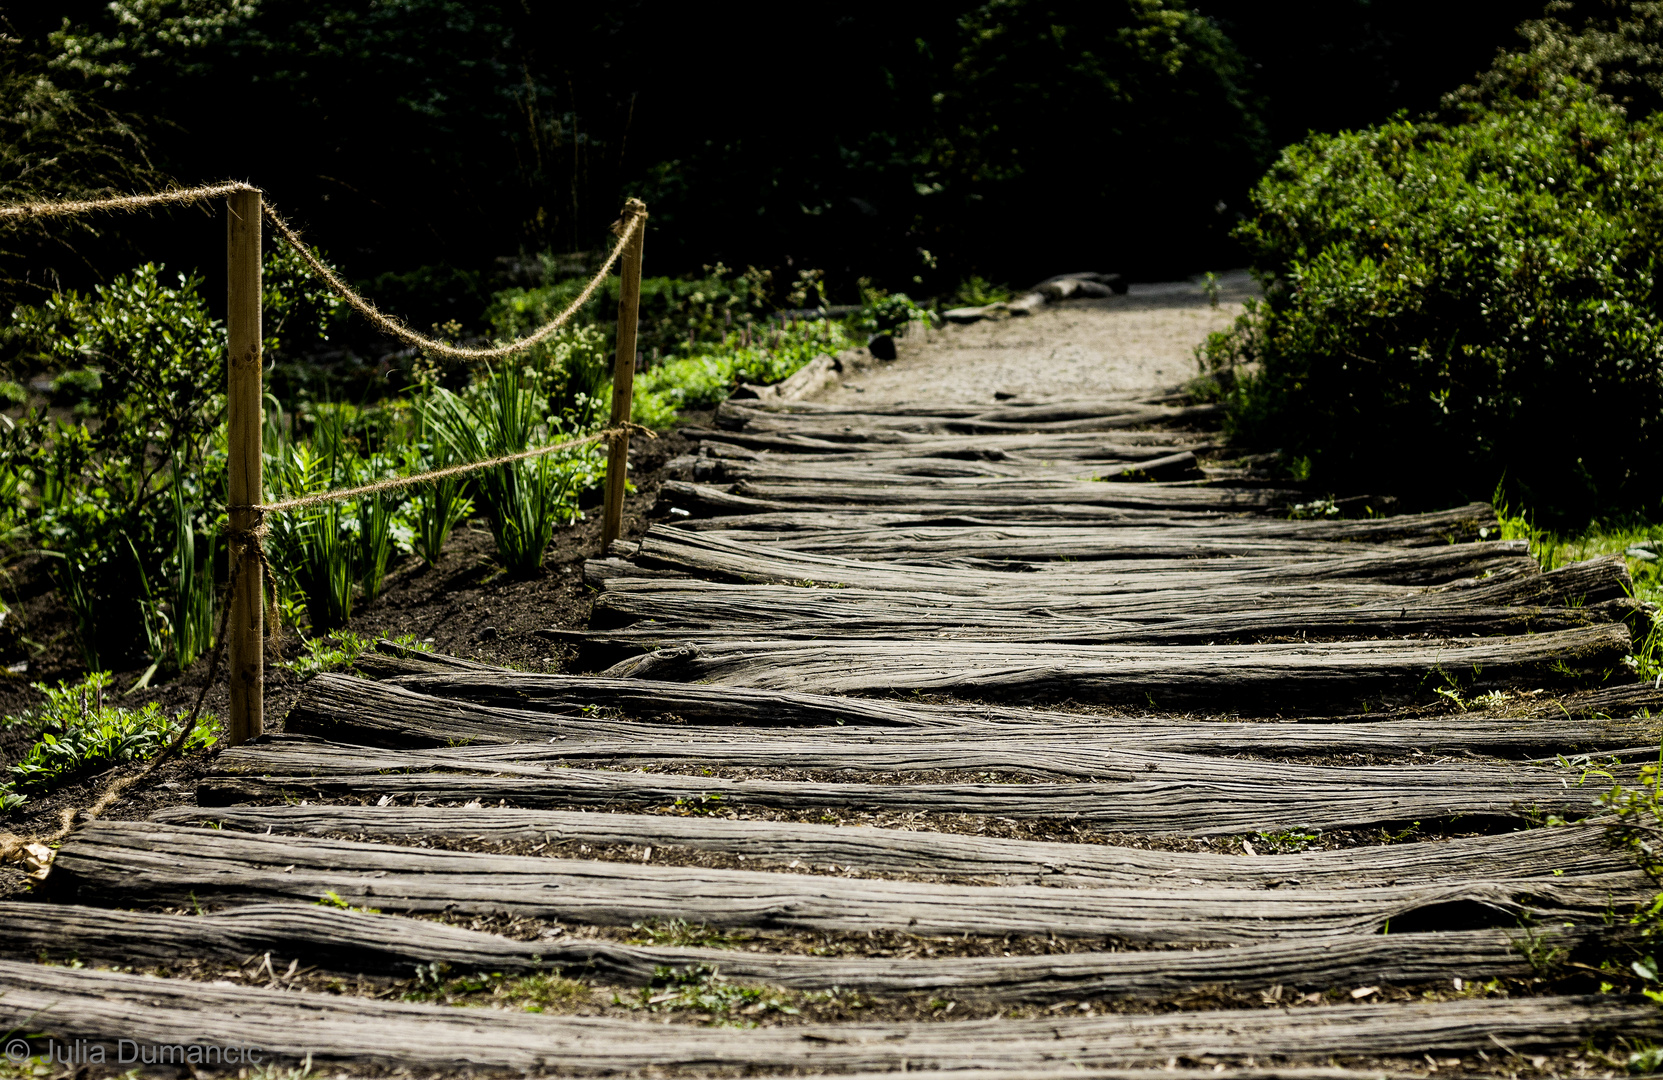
(1472, 522)
(1573, 851)
(737, 411)
(892, 470)
(123, 864)
(452, 710)
(718, 604)
(1101, 502)
(375, 944)
(1154, 807)
(696, 602)
(600, 648)
(1038, 755)
(1036, 543)
(832, 424)
(332, 706)
(996, 492)
(1264, 678)
(104, 1006)
(1070, 447)
(708, 555)
(1042, 445)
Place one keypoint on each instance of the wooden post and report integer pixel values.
(244, 413)
(623, 373)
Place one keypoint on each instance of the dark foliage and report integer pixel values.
(1451, 305)
(431, 145)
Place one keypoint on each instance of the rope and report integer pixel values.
(122, 202)
(301, 502)
(38, 850)
(625, 228)
(250, 542)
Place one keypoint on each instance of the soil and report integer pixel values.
(465, 606)
(1141, 342)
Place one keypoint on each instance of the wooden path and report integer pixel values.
(910, 706)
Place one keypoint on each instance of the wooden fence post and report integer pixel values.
(245, 409)
(623, 373)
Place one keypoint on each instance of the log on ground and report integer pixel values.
(1263, 678)
(1566, 851)
(102, 1006)
(1150, 807)
(130, 864)
(386, 945)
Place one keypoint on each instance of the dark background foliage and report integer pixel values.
(429, 145)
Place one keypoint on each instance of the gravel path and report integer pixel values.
(1134, 344)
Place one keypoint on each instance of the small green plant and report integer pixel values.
(702, 989)
(78, 730)
(702, 805)
(1287, 841)
(340, 650)
(977, 291)
(536, 992)
(332, 899)
(681, 934)
(1648, 1059)
(525, 500)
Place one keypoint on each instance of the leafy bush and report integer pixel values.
(1450, 302)
(709, 376)
(78, 730)
(128, 492)
(1615, 48)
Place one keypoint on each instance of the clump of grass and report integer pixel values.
(536, 992)
(977, 291)
(340, 650)
(1639, 542)
(78, 730)
(524, 500)
(703, 989)
(1287, 841)
(679, 933)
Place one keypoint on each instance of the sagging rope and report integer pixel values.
(38, 851)
(633, 219)
(635, 216)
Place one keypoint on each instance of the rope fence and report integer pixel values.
(129, 203)
(248, 529)
(624, 229)
(301, 502)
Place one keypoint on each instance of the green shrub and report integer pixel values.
(78, 730)
(706, 378)
(1449, 303)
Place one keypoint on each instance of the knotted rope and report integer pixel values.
(249, 543)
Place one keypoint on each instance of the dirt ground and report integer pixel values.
(1142, 342)
(466, 606)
